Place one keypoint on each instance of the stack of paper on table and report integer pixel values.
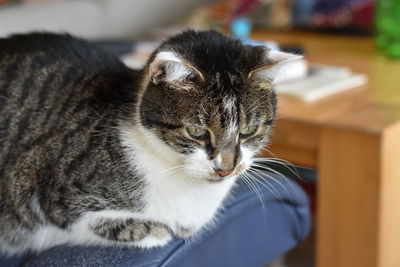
(321, 81)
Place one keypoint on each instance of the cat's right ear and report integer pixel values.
(274, 61)
(168, 67)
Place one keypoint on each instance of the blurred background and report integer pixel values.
(339, 108)
(117, 19)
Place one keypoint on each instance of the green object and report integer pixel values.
(387, 26)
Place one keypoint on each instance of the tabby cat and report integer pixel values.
(92, 152)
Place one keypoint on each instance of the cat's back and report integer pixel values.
(51, 46)
(51, 87)
(31, 62)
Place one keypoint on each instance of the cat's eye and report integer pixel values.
(248, 131)
(197, 132)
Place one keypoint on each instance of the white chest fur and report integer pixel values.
(178, 201)
(171, 197)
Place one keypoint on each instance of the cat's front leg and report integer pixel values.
(141, 233)
(184, 233)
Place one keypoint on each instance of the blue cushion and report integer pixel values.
(245, 234)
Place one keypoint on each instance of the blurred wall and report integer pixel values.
(94, 19)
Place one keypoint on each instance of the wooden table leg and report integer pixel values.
(358, 220)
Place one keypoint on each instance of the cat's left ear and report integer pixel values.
(275, 61)
(169, 67)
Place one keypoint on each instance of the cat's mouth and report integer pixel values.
(216, 180)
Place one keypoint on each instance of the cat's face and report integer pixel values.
(214, 115)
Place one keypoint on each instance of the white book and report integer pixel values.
(321, 81)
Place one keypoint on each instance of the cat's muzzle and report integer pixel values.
(220, 175)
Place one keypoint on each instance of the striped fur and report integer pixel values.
(92, 152)
(60, 102)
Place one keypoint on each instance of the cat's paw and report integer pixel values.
(134, 233)
(184, 233)
(131, 230)
(157, 235)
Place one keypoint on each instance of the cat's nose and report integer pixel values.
(223, 173)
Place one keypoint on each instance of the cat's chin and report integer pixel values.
(216, 180)
(213, 178)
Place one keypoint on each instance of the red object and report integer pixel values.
(244, 6)
(357, 14)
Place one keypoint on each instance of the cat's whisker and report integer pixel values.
(292, 168)
(204, 110)
(269, 186)
(258, 100)
(256, 104)
(274, 157)
(274, 179)
(252, 109)
(247, 180)
(173, 168)
(284, 178)
(264, 164)
(269, 169)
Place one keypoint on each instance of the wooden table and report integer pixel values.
(353, 140)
